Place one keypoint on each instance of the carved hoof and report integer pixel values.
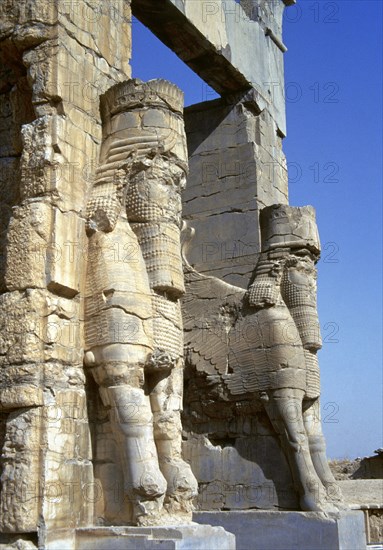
(309, 503)
(314, 498)
(151, 484)
(334, 493)
(181, 481)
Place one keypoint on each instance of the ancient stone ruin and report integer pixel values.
(158, 351)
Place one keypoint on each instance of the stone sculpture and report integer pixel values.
(133, 324)
(261, 345)
(90, 238)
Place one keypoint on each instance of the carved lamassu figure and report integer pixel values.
(133, 324)
(260, 345)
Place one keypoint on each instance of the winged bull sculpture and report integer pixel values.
(261, 344)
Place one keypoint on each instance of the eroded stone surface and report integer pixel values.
(56, 59)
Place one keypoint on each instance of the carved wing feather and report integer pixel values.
(208, 308)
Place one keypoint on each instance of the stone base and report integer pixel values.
(264, 530)
(181, 537)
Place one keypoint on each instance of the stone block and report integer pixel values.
(64, 273)
(251, 473)
(290, 530)
(225, 241)
(179, 537)
(21, 468)
(363, 493)
(27, 242)
(39, 326)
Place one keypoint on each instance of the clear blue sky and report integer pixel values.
(333, 75)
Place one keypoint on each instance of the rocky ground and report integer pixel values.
(344, 468)
(369, 467)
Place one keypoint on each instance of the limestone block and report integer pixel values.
(241, 476)
(20, 396)
(375, 518)
(112, 505)
(55, 65)
(39, 156)
(212, 27)
(9, 196)
(214, 40)
(221, 181)
(27, 384)
(218, 240)
(75, 164)
(169, 537)
(30, 22)
(236, 271)
(101, 27)
(69, 488)
(272, 178)
(48, 469)
(79, 81)
(27, 242)
(265, 530)
(20, 496)
(363, 493)
(15, 109)
(9, 186)
(215, 125)
(236, 167)
(20, 337)
(37, 326)
(41, 63)
(61, 330)
(64, 273)
(43, 249)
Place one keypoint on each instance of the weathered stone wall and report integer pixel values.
(233, 46)
(58, 57)
(237, 167)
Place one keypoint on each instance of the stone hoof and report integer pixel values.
(151, 484)
(310, 503)
(314, 498)
(334, 493)
(180, 478)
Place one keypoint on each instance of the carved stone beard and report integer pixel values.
(299, 292)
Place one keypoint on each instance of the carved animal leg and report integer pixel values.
(132, 423)
(284, 408)
(166, 401)
(317, 445)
